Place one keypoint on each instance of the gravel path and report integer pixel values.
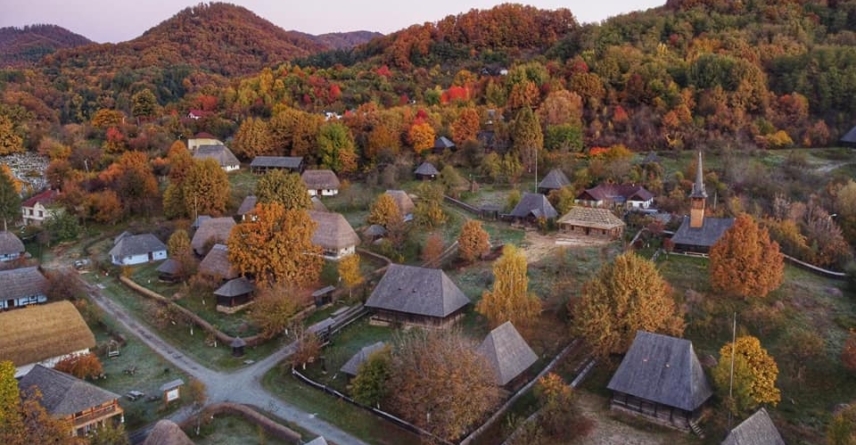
(242, 386)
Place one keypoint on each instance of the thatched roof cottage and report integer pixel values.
(166, 432)
(554, 180)
(352, 366)
(220, 153)
(216, 264)
(334, 235)
(11, 247)
(321, 182)
(137, 249)
(591, 221)
(22, 287)
(213, 231)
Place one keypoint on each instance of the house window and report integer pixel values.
(31, 211)
(41, 214)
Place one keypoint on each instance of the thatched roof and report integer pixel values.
(591, 217)
(320, 180)
(662, 369)
(247, 205)
(219, 153)
(213, 228)
(169, 267)
(707, 235)
(317, 205)
(166, 432)
(427, 169)
(405, 204)
(235, 288)
(199, 220)
(22, 282)
(353, 364)
(554, 180)
(333, 231)
(418, 291)
(10, 244)
(41, 332)
(534, 204)
(63, 394)
(507, 352)
(375, 230)
(317, 441)
(131, 245)
(288, 162)
(758, 429)
(217, 264)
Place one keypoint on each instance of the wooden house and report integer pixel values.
(11, 247)
(757, 429)
(217, 265)
(166, 432)
(235, 293)
(507, 353)
(36, 209)
(594, 222)
(352, 366)
(220, 153)
(555, 180)
(169, 271)
(334, 235)
(426, 171)
(416, 296)
(441, 144)
(211, 231)
(321, 182)
(22, 287)
(661, 380)
(238, 344)
(247, 206)
(623, 196)
(698, 233)
(137, 249)
(261, 164)
(85, 406)
(532, 207)
(43, 335)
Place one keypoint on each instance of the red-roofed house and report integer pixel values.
(36, 209)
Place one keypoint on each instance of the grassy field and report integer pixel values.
(232, 430)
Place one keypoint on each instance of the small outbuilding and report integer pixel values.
(171, 390)
(321, 182)
(261, 164)
(166, 432)
(352, 366)
(323, 296)
(507, 353)
(169, 271)
(849, 138)
(216, 264)
(22, 287)
(403, 201)
(234, 293)
(532, 207)
(11, 247)
(591, 221)
(554, 180)
(426, 171)
(441, 144)
(757, 429)
(238, 344)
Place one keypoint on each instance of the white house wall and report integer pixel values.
(139, 259)
(23, 301)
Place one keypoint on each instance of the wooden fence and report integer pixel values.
(462, 205)
(271, 427)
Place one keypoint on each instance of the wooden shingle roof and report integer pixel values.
(317, 441)
(418, 291)
(758, 429)
(219, 153)
(591, 217)
(320, 180)
(662, 369)
(443, 142)
(235, 288)
(554, 180)
(707, 235)
(63, 394)
(41, 332)
(333, 231)
(534, 204)
(137, 245)
(217, 264)
(353, 364)
(10, 243)
(216, 229)
(289, 162)
(170, 267)
(507, 352)
(427, 169)
(22, 282)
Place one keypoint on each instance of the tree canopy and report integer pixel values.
(745, 262)
(755, 373)
(509, 299)
(284, 188)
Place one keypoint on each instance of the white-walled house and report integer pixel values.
(321, 182)
(22, 287)
(334, 235)
(35, 210)
(11, 247)
(137, 249)
(220, 153)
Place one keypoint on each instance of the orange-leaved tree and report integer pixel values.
(510, 299)
(625, 296)
(474, 241)
(745, 262)
(754, 375)
(385, 212)
(421, 136)
(82, 366)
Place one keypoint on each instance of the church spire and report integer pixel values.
(698, 187)
(697, 198)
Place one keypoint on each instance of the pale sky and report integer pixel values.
(121, 20)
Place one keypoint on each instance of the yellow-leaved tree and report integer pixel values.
(276, 246)
(349, 271)
(755, 373)
(510, 300)
(385, 212)
(474, 241)
(745, 262)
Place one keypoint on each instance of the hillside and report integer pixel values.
(24, 46)
(341, 40)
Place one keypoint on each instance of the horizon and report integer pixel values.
(87, 17)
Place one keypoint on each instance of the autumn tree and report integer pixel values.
(308, 348)
(438, 383)
(385, 212)
(105, 207)
(132, 178)
(745, 262)
(10, 200)
(206, 189)
(349, 271)
(842, 429)
(336, 148)
(274, 308)
(527, 137)
(429, 211)
(10, 141)
(754, 377)
(144, 104)
(82, 366)
(23, 419)
(369, 387)
(559, 419)
(421, 136)
(466, 126)
(253, 138)
(11, 425)
(474, 241)
(284, 188)
(276, 246)
(509, 299)
(433, 248)
(179, 248)
(626, 295)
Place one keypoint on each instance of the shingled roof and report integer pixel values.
(247, 205)
(616, 193)
(235, 288)
(405, 204)
(554, 180)
(664, 370)
(353, 364)
(166, 432)
(289, 162)
(320, 180)
(707, 235)
(758, 429)
(442, 143)
(63, 394)
(427, 169)
(131, 245)
(22, 282)
(534, 204)
(10, 244)
(418, 291)
(169, 267)
(591, 217)
(333, 231)
(41, 332)
(219, 153)
(507, 352)
(217, 264)
(216, 229)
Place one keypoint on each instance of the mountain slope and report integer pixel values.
(342, 40)
(23, 46)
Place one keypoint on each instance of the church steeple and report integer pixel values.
(698, 198)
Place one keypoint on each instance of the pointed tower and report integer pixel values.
(698, 198)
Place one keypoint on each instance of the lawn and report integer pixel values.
(232, 430)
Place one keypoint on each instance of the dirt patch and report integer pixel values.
(538, 246)
(610, 431)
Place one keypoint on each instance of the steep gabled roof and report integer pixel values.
(22, 282)
(418, 291)
(289, 162)
(353, 364)
(707, 235)
(616, 192)
(217, 264)
(443, 142)
(213, 228)
(166, 432)
(405, 204)
(554, 180)
(10, 243)
(333, 231)
(44, 198)
(235, 288)
(534, 204)
(247, 205)
(591, 217)
(137, 245)
(320, 180)
(63, 394)
(427, 169)
(170, 267)
(758, 429)
(662, 369)
(219, 153)
(41, 332)
(507, 352)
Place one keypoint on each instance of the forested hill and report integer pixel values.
(24, 46)
(218, 38)
(341, 40)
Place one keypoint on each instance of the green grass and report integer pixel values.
(232, 430)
